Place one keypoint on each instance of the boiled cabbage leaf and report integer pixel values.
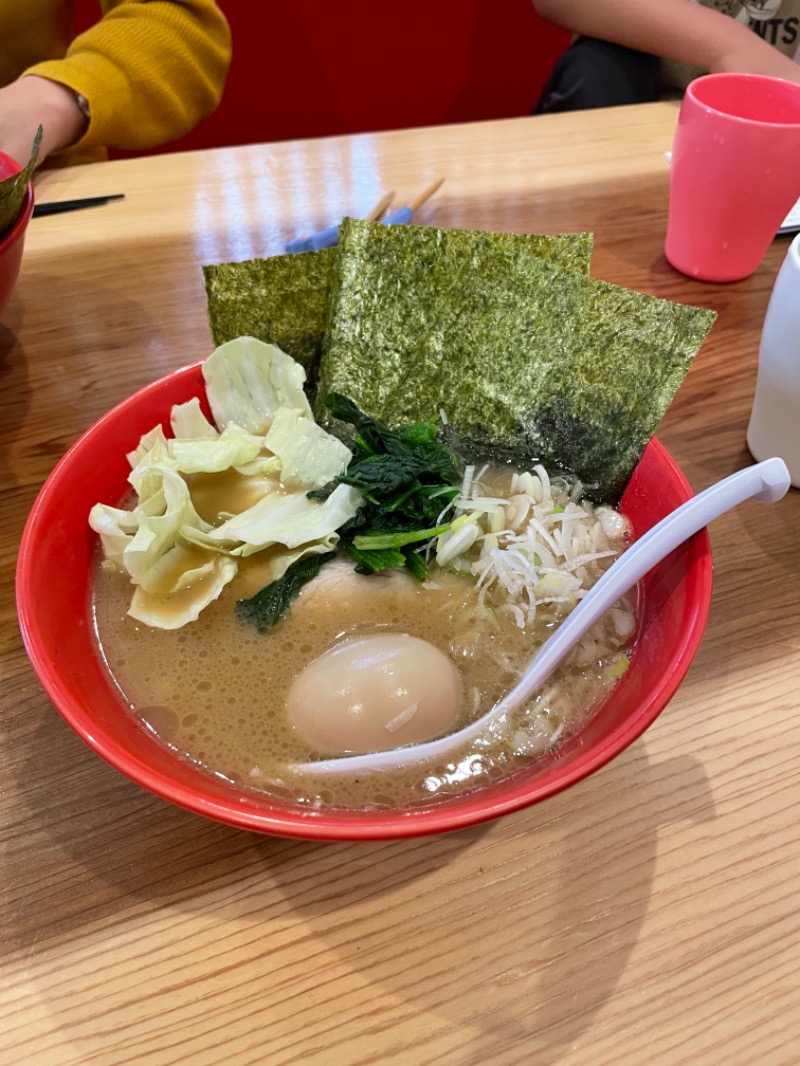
(309, 456)
(115, 526)
(152, 452)
(158, 534)
(178, 561)
(188, 422)
(247, 381)
(233, 447)
(279, 560)
(291, 520)
(192, 590)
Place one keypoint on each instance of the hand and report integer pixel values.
(30, 102)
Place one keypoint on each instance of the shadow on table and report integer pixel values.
(544, 948)
(120, 843)
(541, 948)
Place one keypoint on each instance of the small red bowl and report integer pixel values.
(53, 579)
(11, 246)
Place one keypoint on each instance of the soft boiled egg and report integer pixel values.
(375, 693)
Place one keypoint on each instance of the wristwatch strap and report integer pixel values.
(83, 104)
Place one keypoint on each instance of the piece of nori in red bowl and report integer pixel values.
(13, 189)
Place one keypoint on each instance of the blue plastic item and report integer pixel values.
(325, 238)
(401, 217)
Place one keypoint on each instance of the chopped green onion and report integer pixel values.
(377, 541)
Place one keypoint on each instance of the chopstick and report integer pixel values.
(59, 207)
(380, 207)
(426, 194)
(403, 215)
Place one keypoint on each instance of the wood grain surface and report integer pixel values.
(647, 917)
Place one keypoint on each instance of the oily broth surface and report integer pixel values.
(216, 689)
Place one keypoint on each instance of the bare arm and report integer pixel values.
(29, 102)
(150, 70)
(673, 29)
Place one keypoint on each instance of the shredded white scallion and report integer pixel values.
(557, 732)
(539, 545)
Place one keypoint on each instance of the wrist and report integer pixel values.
(56, 108)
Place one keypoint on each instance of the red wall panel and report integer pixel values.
(309, 68)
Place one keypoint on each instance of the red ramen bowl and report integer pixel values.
(12, 244)
(53, 589)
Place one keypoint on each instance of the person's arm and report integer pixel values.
(26, 104)
(673, 29)
(149, 70)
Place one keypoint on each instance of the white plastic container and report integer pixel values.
(775, 419)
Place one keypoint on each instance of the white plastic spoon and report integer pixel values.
(766, 482)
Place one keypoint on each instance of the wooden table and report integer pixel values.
(647, 916)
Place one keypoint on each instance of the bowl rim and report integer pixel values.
(337, 825)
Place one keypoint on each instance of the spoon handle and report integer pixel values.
(767, 481)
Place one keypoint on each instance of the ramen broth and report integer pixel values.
(215, 690)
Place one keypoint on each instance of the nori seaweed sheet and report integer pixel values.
(520, 355)
(282, 300)
(285, 300)
(12, 190)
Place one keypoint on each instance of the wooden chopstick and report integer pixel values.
(426, 194)
(380, 207)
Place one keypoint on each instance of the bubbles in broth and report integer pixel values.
(216, 690)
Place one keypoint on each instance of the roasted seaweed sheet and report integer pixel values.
(282, 300)
(518, 353)
(12, 190)
(285, 300)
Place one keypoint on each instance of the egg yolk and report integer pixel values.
(374, 694)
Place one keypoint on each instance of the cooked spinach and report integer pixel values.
(407, 477)
(270, 604)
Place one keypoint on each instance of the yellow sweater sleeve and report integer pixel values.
(150, 70)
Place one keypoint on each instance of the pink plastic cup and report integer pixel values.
(735, 173)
